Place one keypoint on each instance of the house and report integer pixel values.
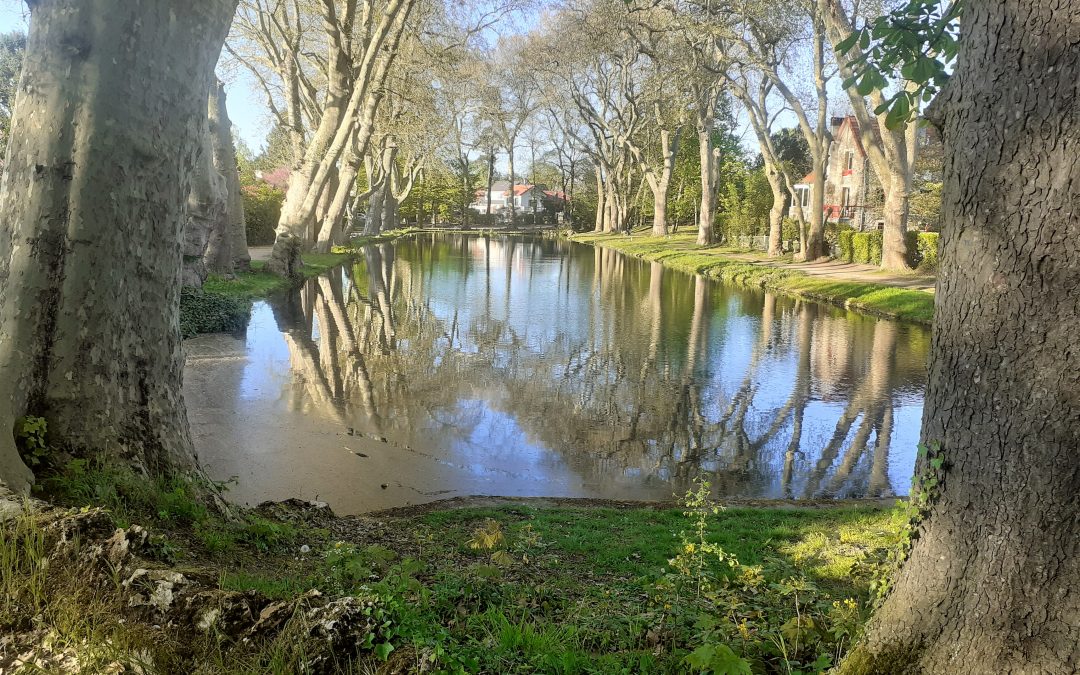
(849, 180)
(526, 198)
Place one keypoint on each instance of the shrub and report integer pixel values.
(866, 247)
(789, 230)
(262, 208)
(832, 236)
(926, 247)
(844, 244)
(207, 312)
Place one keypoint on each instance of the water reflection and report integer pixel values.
(453, 365)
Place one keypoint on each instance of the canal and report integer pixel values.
(450, 365)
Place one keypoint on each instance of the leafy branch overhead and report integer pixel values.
(919, 40)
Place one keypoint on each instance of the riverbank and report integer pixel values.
(223, 305)
(536, 586)
(890, 296)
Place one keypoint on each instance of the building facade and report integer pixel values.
(850, 184)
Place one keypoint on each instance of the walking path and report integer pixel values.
(842, 271)
(260, 252)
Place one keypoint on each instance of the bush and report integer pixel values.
(832, 236)
(207, 312)
(262, 209)
(926, 251)
(844, 245)
(789, 229)
(866, 247)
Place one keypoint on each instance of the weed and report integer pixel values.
(30, 439)
(23, 566)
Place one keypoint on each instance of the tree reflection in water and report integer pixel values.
(632, 375)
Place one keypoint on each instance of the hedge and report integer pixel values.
(262, 208)
(866, 248)
(844, 244)
(208, 312)
(925, 251)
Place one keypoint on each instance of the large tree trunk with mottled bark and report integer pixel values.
(205, 208)
(104, 141)
(894, 253)
(218, 257)
(709, 169)
(991, 584)
(598, 223)
(227, 166)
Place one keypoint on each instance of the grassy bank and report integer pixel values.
(518, 588)
(680, 252)
(224, 305)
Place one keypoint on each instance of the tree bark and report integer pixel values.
(598, 223)
(814, 241)
(513, 183)
(105, 139)
(225, 160)
(708, 161)
(776, 213)
(205, 210)
(218, 257)
(991, 582)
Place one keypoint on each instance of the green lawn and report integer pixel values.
(526, 587)
(680, 252)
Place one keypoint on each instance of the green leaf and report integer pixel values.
(849, 42)
(718, 660)
(865, 85)
(383, 649)
(921, 71)
(701, 658)
(727, 662)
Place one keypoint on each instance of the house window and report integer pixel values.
(849, 160)
(801, 197)
(845, 197)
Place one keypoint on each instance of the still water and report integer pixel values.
(451, 365)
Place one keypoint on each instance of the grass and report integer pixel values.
(509, 589)
(680, 252)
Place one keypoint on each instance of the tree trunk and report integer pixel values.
(375, 211)
(991, 582)
(513, 184)
(776, 213)
(225, 160)
(390, 209)
(708, 185)
(490, 182)
(205, 210)
(598, 225)
(660, 228)
(611, 206)
(218, 257)
(893, 243)
(104, 142)
(814, 247)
